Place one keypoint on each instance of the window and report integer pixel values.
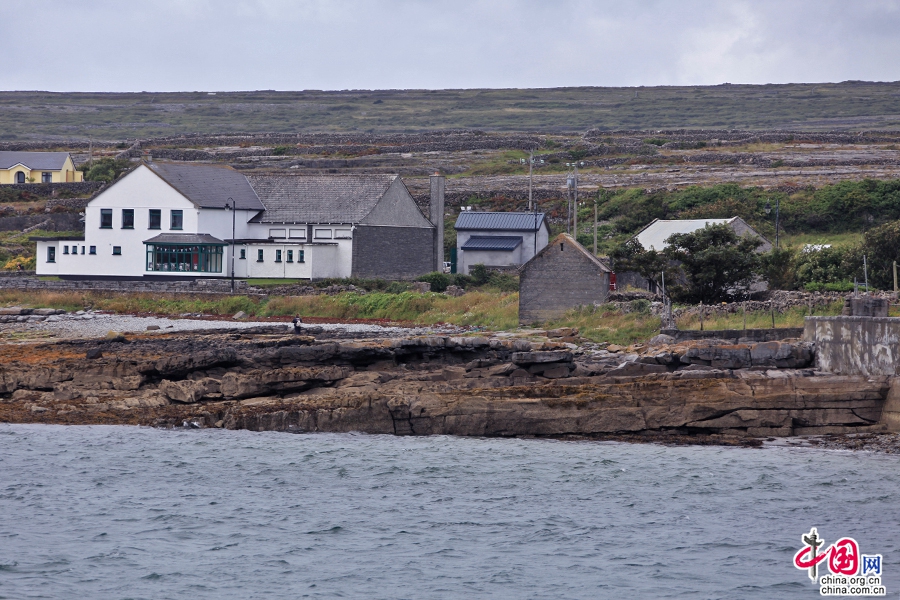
(277, 233)
(155, 219)
(51, 254)
(117, 251)
(300, 256)
(65, 249)
(297, 233)
(343, 234)
(243, 253)
(290, 256)
(20, 178)
(278, 256)
(203, 258)
(127, 218)
(323, 234)
(46, 177)
(82, 249)
(93, 250)
(105, 218)
(177, 219)
(259, 255)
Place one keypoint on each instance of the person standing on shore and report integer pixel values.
(298, 323)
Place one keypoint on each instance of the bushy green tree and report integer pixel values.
(105, 169)
(827, 266)
(778, 267)
(881, 247)
(717, 264)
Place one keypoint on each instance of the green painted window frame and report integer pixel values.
(157, 213)
(185, 258)
(106, 218)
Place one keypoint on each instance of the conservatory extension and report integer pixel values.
(185, 253)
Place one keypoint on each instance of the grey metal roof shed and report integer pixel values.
(500, 221)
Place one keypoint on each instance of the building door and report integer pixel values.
(20, 177)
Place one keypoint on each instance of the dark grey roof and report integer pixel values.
(493, 242)
(185, 239)
(34, 160)
(319, 198)
(499, 221)
(209, 186)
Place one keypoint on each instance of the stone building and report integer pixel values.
(561, 276)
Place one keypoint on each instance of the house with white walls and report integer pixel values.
(168, 220)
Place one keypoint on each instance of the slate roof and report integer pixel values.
(493, 242)
(185, 239)
(319, 198)
(499, 221)
(656, 233)
(209, 186)
(565, 238)
(51, 161)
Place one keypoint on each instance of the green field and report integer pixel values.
(121, 116)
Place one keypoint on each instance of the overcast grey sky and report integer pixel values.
(176, 45)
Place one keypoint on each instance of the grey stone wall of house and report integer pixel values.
(867, 346)
(558, 279)
(392, 252)
(741, 336)
(196, 286)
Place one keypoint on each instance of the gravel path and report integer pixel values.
(94, 325)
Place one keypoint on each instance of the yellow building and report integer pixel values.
(37, 167)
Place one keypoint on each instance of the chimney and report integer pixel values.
(147, 157)
(436, 205)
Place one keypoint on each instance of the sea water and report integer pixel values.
(127, 512)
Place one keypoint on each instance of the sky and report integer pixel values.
(231, 45)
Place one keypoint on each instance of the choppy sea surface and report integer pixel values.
(126, 512)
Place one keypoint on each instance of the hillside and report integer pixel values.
(121, 116)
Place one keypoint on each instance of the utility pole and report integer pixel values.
(230, 205)
(572, 182)
(596, 200)
(530, 177)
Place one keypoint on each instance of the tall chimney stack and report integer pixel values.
(436, 207)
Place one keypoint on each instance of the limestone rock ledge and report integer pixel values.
(469, 386)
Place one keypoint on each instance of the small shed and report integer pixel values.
(497, 239)
(560, 277)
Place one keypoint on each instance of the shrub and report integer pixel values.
(280, 150)
(656, 141)
(439, 281)
(479, 274)
(640, 306)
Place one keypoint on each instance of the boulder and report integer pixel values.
(635, 369)
(541, 356)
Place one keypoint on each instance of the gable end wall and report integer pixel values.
(558, 280)
(392, 252)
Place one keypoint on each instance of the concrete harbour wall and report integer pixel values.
(867, 346)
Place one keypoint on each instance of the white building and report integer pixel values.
(497, 239)
(181, 220)
(654, 235)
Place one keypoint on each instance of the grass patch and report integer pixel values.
(759, 319)
(263, 283)
(478, 309)
(606, 323)
(835, 239)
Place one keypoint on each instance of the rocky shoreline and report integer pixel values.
(530, 383)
